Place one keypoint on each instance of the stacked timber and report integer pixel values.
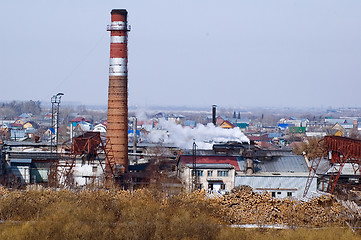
(243, 206)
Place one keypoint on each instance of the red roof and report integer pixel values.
(80, 119)
(16, 125)
(259, 138)
(188, 159)
(266, 145)
(142, 122)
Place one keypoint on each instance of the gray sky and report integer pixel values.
(195, 53)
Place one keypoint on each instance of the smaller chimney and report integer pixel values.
(214, 118)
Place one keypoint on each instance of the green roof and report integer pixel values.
(297, 129)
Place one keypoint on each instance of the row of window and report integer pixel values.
(220, 173)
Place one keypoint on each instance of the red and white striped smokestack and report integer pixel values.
(117, 127)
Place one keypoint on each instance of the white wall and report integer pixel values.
(278, 184)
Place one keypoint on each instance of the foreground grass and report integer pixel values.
(143, 214)
(66, 230)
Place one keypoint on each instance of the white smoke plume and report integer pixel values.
(204, 136)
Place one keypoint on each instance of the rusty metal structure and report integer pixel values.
(86, 147)
(117, 128)
(340, 150)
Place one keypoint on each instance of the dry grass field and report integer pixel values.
(146, 214)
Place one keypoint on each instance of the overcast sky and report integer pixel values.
(303, 53)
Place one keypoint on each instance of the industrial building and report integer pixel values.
(230, 165)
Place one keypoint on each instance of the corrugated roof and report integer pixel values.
(284, 164)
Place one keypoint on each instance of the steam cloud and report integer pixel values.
(204, 136)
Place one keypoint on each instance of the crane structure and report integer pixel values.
(88, 147)
(340, 150)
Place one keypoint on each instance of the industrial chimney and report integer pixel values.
(214, 118)
(117, 127)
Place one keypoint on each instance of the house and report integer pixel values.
(48, 132)
(5, 127)
(82, 126)
(30, 124)
(48, 116)
(17, 134)
(213, 172)
(259, 139)
(338, 130)
(175, 118)
(227, 124)
(242, 125)
(25, 115)
(296, 122)
(19, 121)
(80, 119)
(347, 123)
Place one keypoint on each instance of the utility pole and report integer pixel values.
(194, 171)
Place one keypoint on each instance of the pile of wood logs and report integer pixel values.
(243, 206)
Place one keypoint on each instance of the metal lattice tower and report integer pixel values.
(55, 103)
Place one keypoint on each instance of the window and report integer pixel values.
(279, 193)
(273, 194)
(223, 173)
(223, 186)
(199, 173)
(289, 194)
(209, 173)
(210, 186)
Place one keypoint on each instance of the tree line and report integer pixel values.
(13, 109)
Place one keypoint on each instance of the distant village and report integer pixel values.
(262, 155)
(284, 132)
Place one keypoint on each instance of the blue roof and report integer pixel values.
(131, 131)
(275, 135)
